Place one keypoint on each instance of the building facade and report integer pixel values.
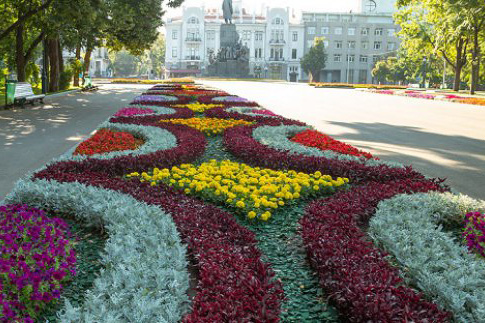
(354, 42)
(275, 39)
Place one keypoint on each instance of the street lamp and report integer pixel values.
(424, 71)
(266, 72)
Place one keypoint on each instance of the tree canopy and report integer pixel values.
(315, 60)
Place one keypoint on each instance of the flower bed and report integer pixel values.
(128, 112)
(363, 285)
(209, 126)
(312, 138)
(36, 260)
(474, 232)
(410, 227)
(253, 192)
(105, 140)
(248, 228)
(446, 97)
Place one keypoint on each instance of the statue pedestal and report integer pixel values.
(229, 35)
(233, 59)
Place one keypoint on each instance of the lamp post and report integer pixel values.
(266, 72)
(425, 60)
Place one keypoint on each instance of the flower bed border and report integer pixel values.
(153, 282)
(362, 283)
(410, 228)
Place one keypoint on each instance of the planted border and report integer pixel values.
(410, 227)
(362, 283)
(234, 284)
(136, 286)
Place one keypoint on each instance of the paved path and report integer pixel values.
(440, 139)
(31, 137)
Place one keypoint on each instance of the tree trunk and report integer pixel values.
(87, 60)
(54, 65)
(475, 60)
(61, 59)
(76, 71)
(316, 76)
(460, 62)
(19, 53)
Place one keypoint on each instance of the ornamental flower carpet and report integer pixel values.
(271, 220)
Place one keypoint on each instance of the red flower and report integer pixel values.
(312, 138)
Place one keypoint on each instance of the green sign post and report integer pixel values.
(10, 86)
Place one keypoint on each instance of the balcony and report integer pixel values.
(279, 42)
(192, 58)
(193, 39)
(276, 59)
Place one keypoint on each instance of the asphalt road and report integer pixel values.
(31, 137)
(440, 139)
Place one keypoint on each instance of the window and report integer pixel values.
(351, 44)
(193, 20)
(378, 32)
(350, 58)
(175, 34)
(211, 35)
(377, 45)
(351, 31)
(246, 35)
(295, 36)
(174, 52)
(278, 21)
(311, 30)
(338, 30)
(365, 45)
(325, 43)
(258, 35)
(337, 58)
(391, 32)
(364, 31)
(346, 18)
(338, 44)
(271, 53)
(325, 30)
(375, 58)
(294, 53)
(363, 59)
(258, 52)
(391, 46)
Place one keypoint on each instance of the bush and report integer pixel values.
(65, 80)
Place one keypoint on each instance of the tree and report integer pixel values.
(315, 60)
(472, 14)
(433, 27)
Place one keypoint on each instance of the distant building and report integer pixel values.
(354, 41)
(100, 65)
(275, 39)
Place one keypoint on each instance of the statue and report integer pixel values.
(227, 10)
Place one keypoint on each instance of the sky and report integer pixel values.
(303, 5)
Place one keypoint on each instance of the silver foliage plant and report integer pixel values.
(410, 227)
(277, 137)
(145, 277)
(249, 111)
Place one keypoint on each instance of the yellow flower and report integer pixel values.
(252, 215)
(265, 216)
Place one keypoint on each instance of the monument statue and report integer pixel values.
(227, 10)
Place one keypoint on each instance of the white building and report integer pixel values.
(275, 39)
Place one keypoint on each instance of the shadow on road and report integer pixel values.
(459, 158)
